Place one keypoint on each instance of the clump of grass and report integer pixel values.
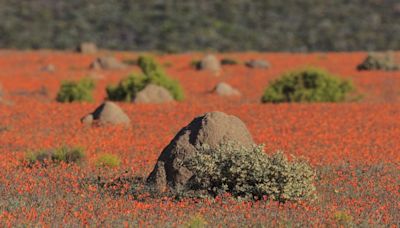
(196, 222)
(108, 160)
(308, 85)
(71, 91)
(62, 154)
(343, 219)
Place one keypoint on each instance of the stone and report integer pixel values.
(107, 63)
(49, 68)
(224, 89)
(210, 63)
(87, 48)
(262, 64)
(107, 113)
(387, 61)
(153, 94)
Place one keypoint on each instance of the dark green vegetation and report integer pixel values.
(251, 174)
(71, 91)
(153, 73)
(228, 61)
(291, 25)
(307, 85)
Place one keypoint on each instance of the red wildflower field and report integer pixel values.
(353, 146)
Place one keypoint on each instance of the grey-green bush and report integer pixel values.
(308, 85)
(127, 88)
(71, 91)
(250, 173)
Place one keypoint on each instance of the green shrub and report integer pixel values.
(62, 154)
(108, 160)
(227, 61)
(308, 85)
(127, 88)
(379, 61)
(71, 91)
(250, 173)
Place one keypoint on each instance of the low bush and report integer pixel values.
(250, 173)
(108, 160)
(62, 154)
(71, 91)
(308, 85)
(127, 88)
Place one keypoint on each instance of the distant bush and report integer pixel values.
(196, 64)
(62, 154)
(127, 88)
(307, 85)
(227, 61)
(108, 160)
(71, 91)
(379, 61)
(250, 173)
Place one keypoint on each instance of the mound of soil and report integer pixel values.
(380, 61)
(262, 64)
(153, 94)
(48, 68)
(107, 113)
(210, 63)
(224, 89)
(87, 48)
(212, 128)
(107, 63)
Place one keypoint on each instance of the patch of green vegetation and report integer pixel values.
(108, 160)
(308, 85)
(71, 91)
(196, 222)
